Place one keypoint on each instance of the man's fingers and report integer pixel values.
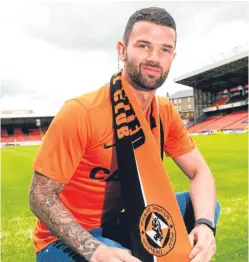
(125, 256)
(205, 246)
(130, 259)
(209, 257)
(202, 251)
(191, 238)
(211, 254)
(196, 250)
(134, 259)
(201, 256)
(127, 251)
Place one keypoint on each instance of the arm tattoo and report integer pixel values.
(47, 206)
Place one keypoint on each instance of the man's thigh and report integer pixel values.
(58, 252)
(186, 208)
(185, 205)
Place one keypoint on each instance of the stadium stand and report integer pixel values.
(23, 126)
(220, 94)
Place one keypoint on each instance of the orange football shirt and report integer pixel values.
(78, 150)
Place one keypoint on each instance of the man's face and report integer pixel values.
(149, 54)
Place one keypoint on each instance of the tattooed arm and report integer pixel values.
(47, 206)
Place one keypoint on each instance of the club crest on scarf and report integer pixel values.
(125, 119)
(158, 234)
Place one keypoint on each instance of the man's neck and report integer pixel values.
(144, 97)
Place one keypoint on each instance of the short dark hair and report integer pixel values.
(155, 15)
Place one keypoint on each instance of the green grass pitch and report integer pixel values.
(225, 154)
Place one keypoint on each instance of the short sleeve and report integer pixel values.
(64, 143)
(178, 141)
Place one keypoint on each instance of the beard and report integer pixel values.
(149, 82)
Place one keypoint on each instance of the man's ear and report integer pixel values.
(121, 48)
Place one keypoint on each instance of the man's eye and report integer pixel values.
(144, 46)
(165, 50)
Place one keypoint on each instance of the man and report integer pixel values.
(75, 191)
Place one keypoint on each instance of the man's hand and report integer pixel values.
(111, 254)
(203, 242)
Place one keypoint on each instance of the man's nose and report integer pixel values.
(153, 57)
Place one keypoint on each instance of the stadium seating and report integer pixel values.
(18, 132)
(35, 135)
(221, 101)
(222, 123)
(201, 125)
(4, 133)
(7, 139)
(241, 124)
(20, 136)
